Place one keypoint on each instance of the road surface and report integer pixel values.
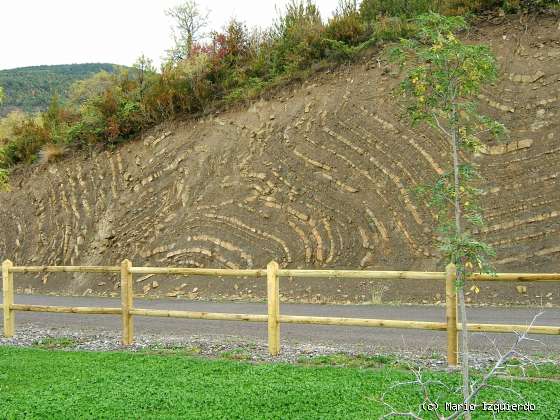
(350, 338)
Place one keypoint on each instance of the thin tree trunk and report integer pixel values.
(460, 279)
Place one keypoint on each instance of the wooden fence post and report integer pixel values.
(451, 313)
(273, 303)
(8, 298)
(126, 303)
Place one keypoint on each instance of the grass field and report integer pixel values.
(55, 384)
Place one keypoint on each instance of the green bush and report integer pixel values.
(346, 25)
(392, 28)
(462, 7)
(298, 38)
(530, 5)
(370, 10)
(4, 179)
(29, 137)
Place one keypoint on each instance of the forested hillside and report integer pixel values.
(30, 88)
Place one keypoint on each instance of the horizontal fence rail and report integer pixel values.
(219, 316)
(217, 272)
(65, 269)
(506, 328)
(273, 318)
(516, 277)
(362, 322)
(66, 309)
(358, 274)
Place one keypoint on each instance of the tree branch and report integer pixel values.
(501, 361)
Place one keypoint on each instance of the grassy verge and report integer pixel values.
(55, 343)
(520, 371)
(37, 383)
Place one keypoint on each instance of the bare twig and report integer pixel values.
(475, 387)
(440, 126)
(501, 361)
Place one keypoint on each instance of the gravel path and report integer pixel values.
(230, 347)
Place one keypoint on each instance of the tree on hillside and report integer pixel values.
(444, 76)
(143, 66)
(82, 90)
(190, 23)
(8, 123)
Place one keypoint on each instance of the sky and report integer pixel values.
(35, 32)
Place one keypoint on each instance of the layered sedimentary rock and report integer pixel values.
(318, 176)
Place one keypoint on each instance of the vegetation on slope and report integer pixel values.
(128, 385)
(234, 64)
(30, 89)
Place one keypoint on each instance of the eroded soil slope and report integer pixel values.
(316, 177)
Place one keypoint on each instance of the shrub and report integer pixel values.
(260, 53)
(529, 5)
(29, 137)
(346, 25)
(57, 120)
(84, 133)
(370, 10)
(298, 37)
(4, 180)
(83, 90)
(114, 115)
(392, 28)
(228, 58)
(248, 89)
(462, 7)
(8, 123)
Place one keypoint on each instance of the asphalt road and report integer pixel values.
(355, 338)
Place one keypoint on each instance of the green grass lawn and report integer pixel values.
(55, 384)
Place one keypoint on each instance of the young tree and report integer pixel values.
(8, 123)
(4, 186)
(143, 66)
(94, 86)
(190, 22)
(443, 78)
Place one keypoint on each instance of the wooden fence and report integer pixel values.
(273, 317)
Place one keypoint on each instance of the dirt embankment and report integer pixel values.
(316, 177)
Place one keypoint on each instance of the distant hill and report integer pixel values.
(30, 88)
